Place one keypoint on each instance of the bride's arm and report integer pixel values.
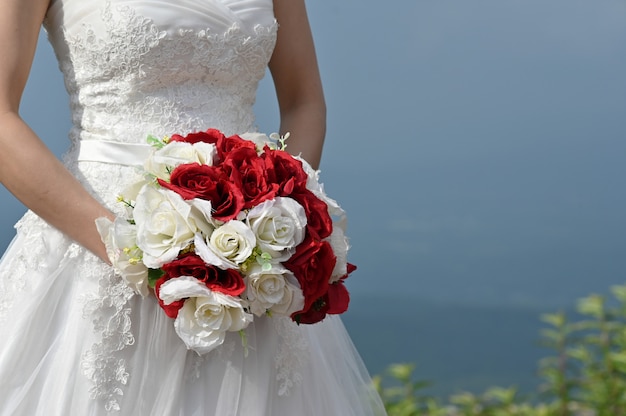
(27, 168)
(297, 80)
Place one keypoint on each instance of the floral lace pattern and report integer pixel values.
(13, 281)
(291, 357)
(110, 313)
(133, 79)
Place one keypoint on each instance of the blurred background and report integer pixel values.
(478, 147)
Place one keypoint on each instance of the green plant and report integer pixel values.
(585, 375)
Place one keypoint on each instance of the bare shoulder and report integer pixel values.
(290, 13)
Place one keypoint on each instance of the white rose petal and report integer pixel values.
(275, 290)
(206, 315)
(201, 210)
(180, 288)
(173, 154)
(195, 337)
(206, 153)
(228, 246)
(120, 239)
(259, 139)
(279, 226)
(208, 256)
(165, 225)
(339, 243)
(130, 192)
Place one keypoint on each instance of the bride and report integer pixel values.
(75, 338)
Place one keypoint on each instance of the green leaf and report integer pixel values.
(401, 372)
(153, 276)
(501, 395)
(555, 319)
(619, 292)
(155, 142)
(579, 353)
(551, 334)
(592, 305)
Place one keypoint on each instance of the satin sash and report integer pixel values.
(128, 154)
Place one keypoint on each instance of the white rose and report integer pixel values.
(279, 226)
(165, 225)
(129, 194)
(206, 315)
(339, 243)
(259, 139)
(228, 246)
(275, 290)
(120, 239)
(164, 160)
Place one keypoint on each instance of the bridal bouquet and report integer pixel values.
(224, 229)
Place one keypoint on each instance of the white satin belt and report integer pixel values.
(129, 154)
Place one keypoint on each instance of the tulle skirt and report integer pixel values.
(75, 341)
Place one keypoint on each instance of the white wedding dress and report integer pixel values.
(75, 340)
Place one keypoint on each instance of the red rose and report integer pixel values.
(227, 281)
(172, 309)
(285, 171)
(312, 264)
(319, 223)
(337, 298)
(245, 168)
(212, 136)
(315, 314)
(232, 143)
(193, 180)
(333, 302)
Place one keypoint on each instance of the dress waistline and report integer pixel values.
(128, 154)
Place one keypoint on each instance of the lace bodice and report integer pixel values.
(137, 67)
